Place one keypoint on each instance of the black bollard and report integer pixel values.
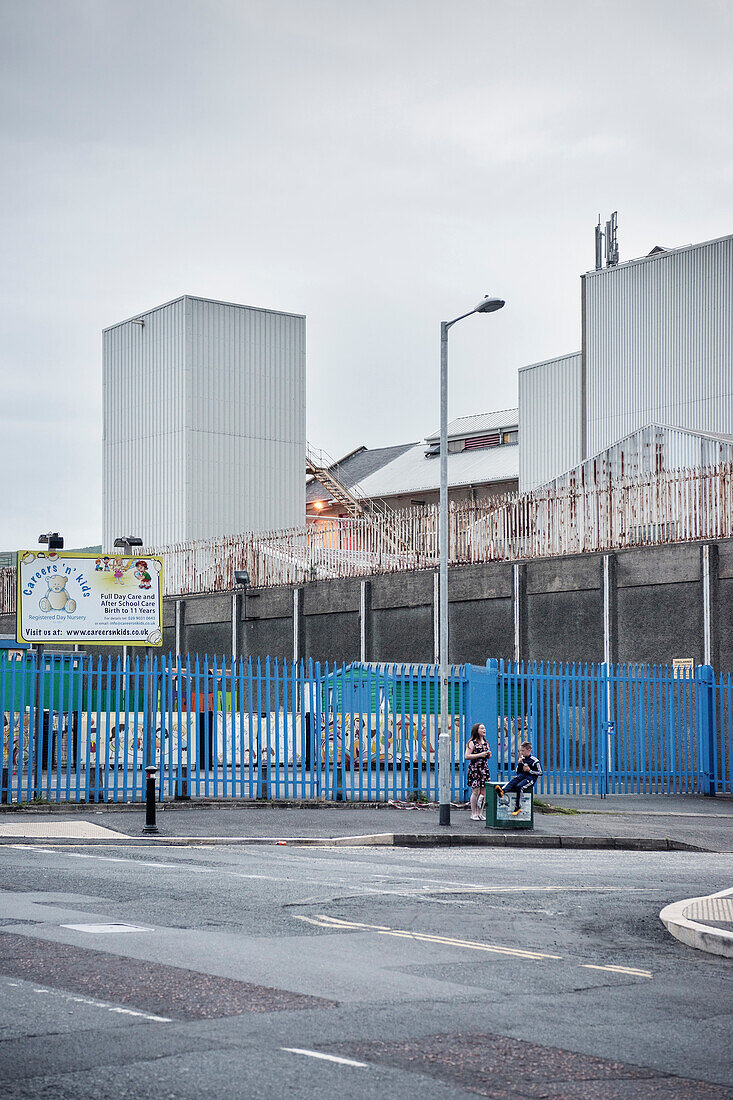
(265, 777)
(150, 826)
(416, 776)
(182, 794)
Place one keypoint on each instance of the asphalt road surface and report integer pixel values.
(293, 972)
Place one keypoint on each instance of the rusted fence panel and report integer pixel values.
(651, 509)
(7, 591)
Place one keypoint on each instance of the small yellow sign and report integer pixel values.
(682, 667)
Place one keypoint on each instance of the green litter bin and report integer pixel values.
(499, 810)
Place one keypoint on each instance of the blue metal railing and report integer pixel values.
(79, 729)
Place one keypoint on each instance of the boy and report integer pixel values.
(529, 770)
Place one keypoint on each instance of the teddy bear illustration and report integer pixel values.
(57, 598)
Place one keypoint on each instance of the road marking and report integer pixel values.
(325, 1057)
(103, 1004)
(101, 929)
(633, 971)
(335, 924)
(427, 937)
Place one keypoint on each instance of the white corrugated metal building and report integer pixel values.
(657, 353)
(203, 422)
(550, 419)
(652, 449)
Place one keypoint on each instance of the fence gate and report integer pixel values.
(600, 729)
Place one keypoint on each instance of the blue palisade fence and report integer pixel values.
(80, 729)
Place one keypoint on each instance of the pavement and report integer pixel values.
(620, 822)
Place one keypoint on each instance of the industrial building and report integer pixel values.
(203, 422)
(656, 357)
(483, 461)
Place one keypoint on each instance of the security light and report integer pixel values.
(54, 539)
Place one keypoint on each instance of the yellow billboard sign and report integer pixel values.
(89, 599)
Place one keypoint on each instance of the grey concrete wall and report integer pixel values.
(564, 609)
(651, 610)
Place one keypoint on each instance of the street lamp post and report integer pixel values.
(486, 305)
(128, 543)
(54, 541)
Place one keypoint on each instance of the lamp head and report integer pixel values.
(127, 541)
(489, 304)
(241, 576)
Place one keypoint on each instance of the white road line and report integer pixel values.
(633, 971)
(107, 929)
(325, 1057)
(103, 1004)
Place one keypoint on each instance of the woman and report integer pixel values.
(477, 754)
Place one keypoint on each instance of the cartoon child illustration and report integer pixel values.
(98, 565)
(57, 598)
(142, 574)
(106, 563)
(119, 571)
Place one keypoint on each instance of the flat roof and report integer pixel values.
(656, 256)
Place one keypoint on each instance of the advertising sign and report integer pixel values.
(89, 599)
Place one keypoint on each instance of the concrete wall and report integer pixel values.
(647, 605)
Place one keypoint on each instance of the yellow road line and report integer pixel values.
(427, 937)
(322, 920)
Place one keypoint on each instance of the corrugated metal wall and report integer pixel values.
(659, 343)
(204, 422)
(550, 419)
(143, 417)
(652, 450)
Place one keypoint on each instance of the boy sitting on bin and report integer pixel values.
(528, 772)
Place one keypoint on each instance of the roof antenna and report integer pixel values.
(612, 240)
(599, 245)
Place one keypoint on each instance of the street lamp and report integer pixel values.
(486, 305)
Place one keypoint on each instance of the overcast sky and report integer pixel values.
(378, 165)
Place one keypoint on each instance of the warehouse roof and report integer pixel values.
(479, 424)
(412, 472)
(356, 466)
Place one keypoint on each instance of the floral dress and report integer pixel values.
(478, 770)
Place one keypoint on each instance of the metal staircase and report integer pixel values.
(322, 467)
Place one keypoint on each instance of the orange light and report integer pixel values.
(319, 505)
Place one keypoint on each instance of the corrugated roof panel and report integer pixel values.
(479, 424)
(413, 472)
(355, 468)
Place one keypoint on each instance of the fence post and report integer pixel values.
(705, 728)
(482, 703)
(605, 728)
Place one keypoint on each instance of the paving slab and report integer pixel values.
(50, 829)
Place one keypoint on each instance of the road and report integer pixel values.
(438, 973)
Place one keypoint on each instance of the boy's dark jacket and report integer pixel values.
(535, 768)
